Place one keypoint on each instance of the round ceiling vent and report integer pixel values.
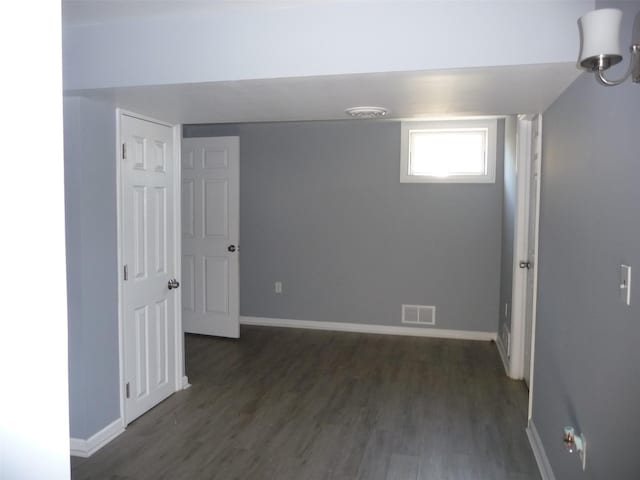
(367, 112)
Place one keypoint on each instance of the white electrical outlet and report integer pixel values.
(278, 287)
(625, 283)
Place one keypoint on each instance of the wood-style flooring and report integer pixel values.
(301, 404)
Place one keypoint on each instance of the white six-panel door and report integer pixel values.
(210, 233)
(149, 263)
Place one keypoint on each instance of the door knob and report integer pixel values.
(231, 248)
(526, 265)
(173, 283)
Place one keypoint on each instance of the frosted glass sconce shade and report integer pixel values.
(600, 31)
(600, 47)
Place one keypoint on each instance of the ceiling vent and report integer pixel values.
(367, 112)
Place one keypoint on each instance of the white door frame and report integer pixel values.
(520, 250)
(181, 379)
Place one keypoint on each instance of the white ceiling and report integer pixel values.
(473, 91)
(90, 12)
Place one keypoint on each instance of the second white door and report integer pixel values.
(210, 235)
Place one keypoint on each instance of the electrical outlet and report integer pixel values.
(625, 283)
(278, 287)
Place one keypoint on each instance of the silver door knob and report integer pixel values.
(526, 265)
(173, 283)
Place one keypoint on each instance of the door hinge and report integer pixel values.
(124, 151)
(127, 389)
(126, 273)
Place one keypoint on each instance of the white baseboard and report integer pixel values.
(368, 328)
(503, 355)
(86, 448)
(185, 382)
(538, 451)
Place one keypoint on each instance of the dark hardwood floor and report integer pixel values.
(302, 404)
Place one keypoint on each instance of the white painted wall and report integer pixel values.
(34, 421)
(250, 40)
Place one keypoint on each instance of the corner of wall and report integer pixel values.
(85, 448)
(539, 453)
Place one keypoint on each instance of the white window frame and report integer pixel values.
(491, 124)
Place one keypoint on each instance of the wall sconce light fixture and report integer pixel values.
(600, 47)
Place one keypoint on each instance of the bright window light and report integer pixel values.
(442, 153)
(453, 151)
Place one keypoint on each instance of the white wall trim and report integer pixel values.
(503, 354)
(534, 314)
(538, 451)
(368, 328)
(177, 242)
(86, 448)
(119, 255)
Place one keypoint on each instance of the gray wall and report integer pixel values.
(323, 211)
(587, 355)
(90, 197)
(508, 226)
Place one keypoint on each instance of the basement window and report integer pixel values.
(449, 151)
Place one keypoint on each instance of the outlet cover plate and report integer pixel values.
(625, 283)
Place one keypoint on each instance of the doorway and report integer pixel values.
(525, 252)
